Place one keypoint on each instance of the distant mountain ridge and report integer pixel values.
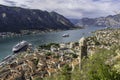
(14, 19)
(109, 21)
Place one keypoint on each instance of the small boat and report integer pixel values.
(20, 46)
(65, 35)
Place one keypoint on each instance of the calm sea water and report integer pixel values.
(6, 44)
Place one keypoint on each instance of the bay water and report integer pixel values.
(6, 44)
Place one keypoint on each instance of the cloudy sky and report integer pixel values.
(70, 8)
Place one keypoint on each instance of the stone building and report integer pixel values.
(82, 50)
(83, 47)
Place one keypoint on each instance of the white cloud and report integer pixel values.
(72, 8)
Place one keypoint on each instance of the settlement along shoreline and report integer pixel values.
(49, 59)
(32, 32)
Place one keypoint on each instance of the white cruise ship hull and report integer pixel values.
(22, 46)
(21, 49)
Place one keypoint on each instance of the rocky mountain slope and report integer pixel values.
(109, 21)
(14, 19)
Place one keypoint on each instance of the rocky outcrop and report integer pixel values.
(14, 19)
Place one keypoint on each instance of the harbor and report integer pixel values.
(6, 44)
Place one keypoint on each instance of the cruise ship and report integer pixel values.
(20, 46)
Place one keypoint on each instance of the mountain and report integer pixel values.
(14, 19)
(74, 21)
(109, 21)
